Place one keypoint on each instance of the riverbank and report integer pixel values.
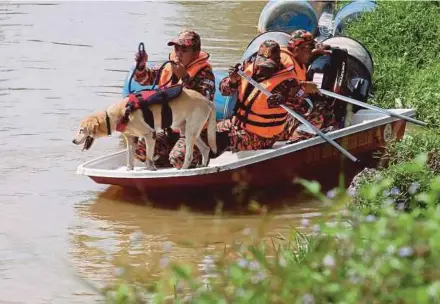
(381, 242)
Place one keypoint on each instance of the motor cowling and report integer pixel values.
(346, 71)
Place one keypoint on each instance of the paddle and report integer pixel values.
(371, 107)
(300, 118)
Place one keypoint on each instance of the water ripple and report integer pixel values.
(60, 43)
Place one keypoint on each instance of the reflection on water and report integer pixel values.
(120, 227)
(60, 62)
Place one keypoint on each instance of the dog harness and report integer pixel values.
(144, 99)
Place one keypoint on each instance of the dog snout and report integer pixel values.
(78, 139)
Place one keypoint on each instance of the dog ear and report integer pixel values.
(95, 130)
(94, 126)
(91, 126)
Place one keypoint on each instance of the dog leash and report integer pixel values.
(141, 51)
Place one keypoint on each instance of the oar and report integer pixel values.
(300, 118)
(371, 107)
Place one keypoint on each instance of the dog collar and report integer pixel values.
(107, 121)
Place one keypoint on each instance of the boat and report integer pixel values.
(288, 16)
(369, 132)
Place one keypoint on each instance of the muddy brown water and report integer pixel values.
(60, 62)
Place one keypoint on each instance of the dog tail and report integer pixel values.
(212, 128)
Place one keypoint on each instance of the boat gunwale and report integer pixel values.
(267, 154)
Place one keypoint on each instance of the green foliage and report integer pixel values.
(389, 257)
(413, 144)
(402, 37)
(413, 162)
(422, 93)
(399, 185)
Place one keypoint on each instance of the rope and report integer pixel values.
(141, 51)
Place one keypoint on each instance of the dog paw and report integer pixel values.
(149, 169)
(149, 166)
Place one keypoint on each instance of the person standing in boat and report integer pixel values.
(190, 68)
(259, 120)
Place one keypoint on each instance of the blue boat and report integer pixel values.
(287, 16)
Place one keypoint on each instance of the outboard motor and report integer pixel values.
(288, 16)
(347, 71)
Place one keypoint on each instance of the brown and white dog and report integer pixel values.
(191, 110)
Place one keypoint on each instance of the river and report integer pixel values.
(57, 229)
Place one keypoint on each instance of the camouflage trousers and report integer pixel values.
(169, 150)
(177, 153)
(321, 118)
(242, 140)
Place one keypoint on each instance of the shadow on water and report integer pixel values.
(207, 201)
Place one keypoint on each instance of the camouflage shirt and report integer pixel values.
(203, 81)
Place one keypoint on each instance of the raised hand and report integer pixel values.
(141, 59)
(178, 69)
(233, 73)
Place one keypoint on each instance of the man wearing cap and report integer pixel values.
(299, 52)
(190, 68)
(259, 120)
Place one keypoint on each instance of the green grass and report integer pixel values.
(402, 37)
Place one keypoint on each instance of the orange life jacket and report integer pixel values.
(253, 112)
(193, 68)
(288, 60)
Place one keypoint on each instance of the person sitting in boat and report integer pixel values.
(299, 52)
(258, 120)
(192, 69)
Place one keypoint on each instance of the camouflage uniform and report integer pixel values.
(322, 117)
(239, 138)
(170, 147)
